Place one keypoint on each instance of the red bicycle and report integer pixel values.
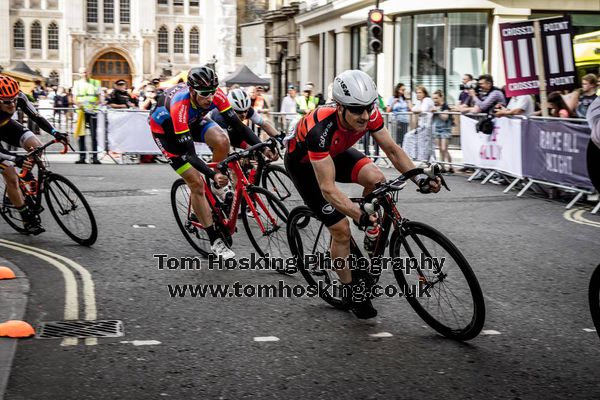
(264, 216)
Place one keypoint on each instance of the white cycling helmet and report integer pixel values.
(354, 88)
(239, 100)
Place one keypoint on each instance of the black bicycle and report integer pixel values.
(66, 203)
(439, 285)
(594, 298)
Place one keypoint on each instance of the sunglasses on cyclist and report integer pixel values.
(206, 92)
(8, 102)
(358, 110)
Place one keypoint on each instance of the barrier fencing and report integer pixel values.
(542, 152)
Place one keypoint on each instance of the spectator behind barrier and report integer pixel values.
(399, 105)
(120, 97)
(442, 128)
(518, 105)
(557, 106)
(580, 99)
(464, 98)
(593, 150)
(486, 97)
(150, 99)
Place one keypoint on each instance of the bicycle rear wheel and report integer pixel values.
(9, 213)
(70, 210)
(182, 209)
(277, 181)
(265, 222)
(594, 298)
(455, 308)
(310, 242)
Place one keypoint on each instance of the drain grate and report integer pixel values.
(79, 329)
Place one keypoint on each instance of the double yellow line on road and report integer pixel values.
(67, 267)
(576, 215)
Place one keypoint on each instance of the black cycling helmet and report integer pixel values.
(202, 78)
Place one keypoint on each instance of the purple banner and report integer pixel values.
(555, 151)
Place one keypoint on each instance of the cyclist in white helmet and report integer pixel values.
(240, 103)
(321, 153)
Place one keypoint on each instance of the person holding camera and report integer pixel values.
(464, 98)
(485, 96)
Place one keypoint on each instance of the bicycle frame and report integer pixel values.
(241, 192)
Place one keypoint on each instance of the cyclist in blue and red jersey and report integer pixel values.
(320, 153)
(178, 120)
(17, 135)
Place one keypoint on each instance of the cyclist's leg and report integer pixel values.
(193, 178)
(352, 166)
(12, 184)
(303, 176)
(214, 136)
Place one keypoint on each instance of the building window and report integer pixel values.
(109, 11)
(194, 41)
(178, 3)
(92, 10)
(436, 50)
(124, 11)
(178, 40)
(194, 3)
(19, 35)
(361, 59)
(36, 35)
(53, 79)
(163, 40)
(163, 2)
(53, 36)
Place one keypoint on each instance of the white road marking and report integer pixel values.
(266, 339)
(143, 226)
(71, 311)
(380, 334)
(576, 215)
(89, 296)
(142, 342)
(589, 330)
(490, 332)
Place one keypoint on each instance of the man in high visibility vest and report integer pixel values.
(86, 92)
(306, 102)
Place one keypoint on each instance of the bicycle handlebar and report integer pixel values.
(35, 152)
(223, 165)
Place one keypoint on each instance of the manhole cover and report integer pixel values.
(79, 329)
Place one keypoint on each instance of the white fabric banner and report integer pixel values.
(500, 151)
(129, 132)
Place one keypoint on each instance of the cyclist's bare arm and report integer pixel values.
(272, 132)
(397, 156)
(325, 172)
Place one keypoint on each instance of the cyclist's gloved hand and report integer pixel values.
(367, 219)
(20, 161)
(427, 184)
(63, 137)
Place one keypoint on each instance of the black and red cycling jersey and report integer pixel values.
(319, 134)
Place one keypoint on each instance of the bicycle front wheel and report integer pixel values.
(70, 210)
(594, 298)
(182, 209)
(438, 281)
(310, 243)
(265, 222)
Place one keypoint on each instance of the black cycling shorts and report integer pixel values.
(347, 166)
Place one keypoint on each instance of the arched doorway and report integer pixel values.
(110, 67)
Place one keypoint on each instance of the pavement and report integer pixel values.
(13, 303)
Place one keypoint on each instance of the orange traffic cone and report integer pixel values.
(6, 273)
(16, 329)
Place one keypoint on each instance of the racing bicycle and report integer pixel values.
(454, 305)
(66, 203)
(594, 298)
(263, 214)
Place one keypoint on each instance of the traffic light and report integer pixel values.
(375, 31)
